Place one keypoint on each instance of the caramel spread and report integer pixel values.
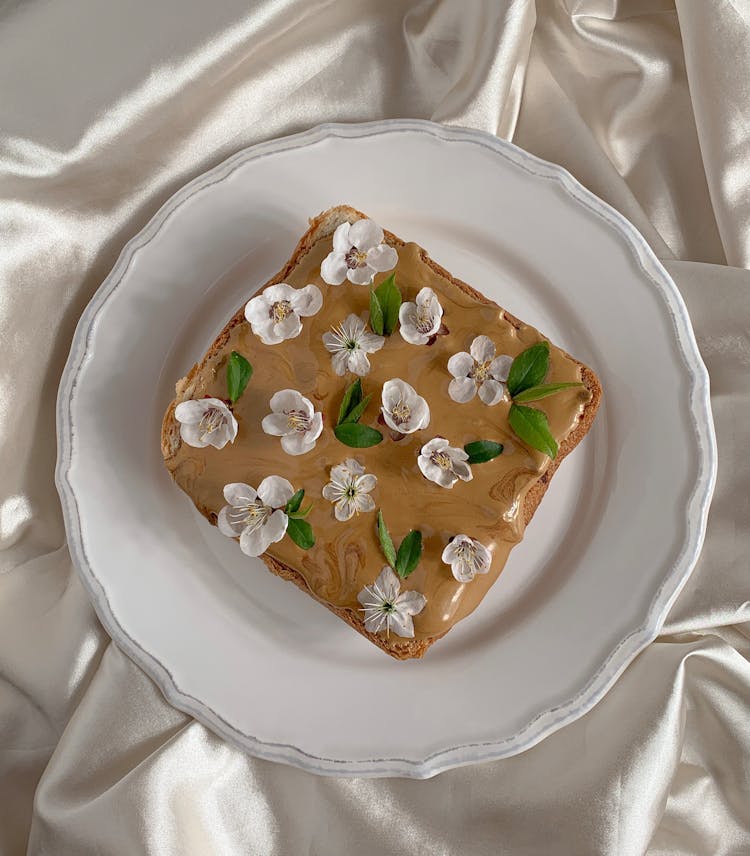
(347, 556)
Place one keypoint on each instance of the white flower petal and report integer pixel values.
(365, 234)
(382, 258)
(462, 470)
(344, 509)
(365, 502)
(462, 389)
(434, 445)
(225, 525)
(298, 443)
(278, 292)
(194, 436)
(275, 527)
(420, 417)
(267, 332)
(462, 571)
(402, 624)
(257, 309)
(290, 399)
(276, 424)
(491, 392)
(388, 583)
(340, 362)
(394, 391)
(410, 334)
(484, 556)
(316, 427)
(334, 268)
(360, 275)
(239, 493)
(370, 343)
(430, 470)
(366, 483)
(482, 349)
(341, 242)
(289, 328)
(500, 367)
(191, 412)
(340, 474)
(374, 623)
(410, 602)
(254, 542)
(306, 301)
(358, 362)
(275, 491)
(460, 364)
(353, 466)
(451, 549)
(331, 492)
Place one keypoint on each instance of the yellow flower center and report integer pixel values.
(401, 412)
(298, 420)
(442, 460)
(481, 371)
(280, 310)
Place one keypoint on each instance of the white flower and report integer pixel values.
(206, 422)
(480, 370)
(467, 557)
(349, 489)
(444, 464)
(421, 320)
(385, 607)
(250, 514)
(403, 410)
(350, 344)
(275, 313)
(294, 420)
(358, 254)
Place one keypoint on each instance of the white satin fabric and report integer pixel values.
(105, 109)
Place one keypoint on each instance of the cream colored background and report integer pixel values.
(106, 108)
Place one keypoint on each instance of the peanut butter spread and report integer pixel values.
(347, 555)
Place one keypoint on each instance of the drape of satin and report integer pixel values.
(105, 110)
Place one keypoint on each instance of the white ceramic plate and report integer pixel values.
(606, 554)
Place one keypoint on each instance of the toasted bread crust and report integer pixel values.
(322, 226)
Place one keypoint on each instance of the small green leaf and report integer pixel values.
(532, 427)
(386, 542)
(529, 368)
(239, 372)
(301, 514)
(355, 414)
(376, 314)
(409, 553)
(357, 436)
(352, 397)
(300, 532)
(295, 502)
(534, 393)
(389, 298)
(482, 450)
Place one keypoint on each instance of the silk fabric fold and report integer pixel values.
(108, 108)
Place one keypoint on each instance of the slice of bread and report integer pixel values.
(530, 479)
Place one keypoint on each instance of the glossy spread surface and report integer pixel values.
(347, 555)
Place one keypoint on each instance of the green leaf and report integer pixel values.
(376, 314)
(357, 436)
(386, 542)
(302, 514)
(300, 532)
(355, 414)
(409, 553)
(239, 372)
(352, 397)
(532, 427)
(389, 298)
(529, 368)
(295, 502)
(482, 450)
(534, 393)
